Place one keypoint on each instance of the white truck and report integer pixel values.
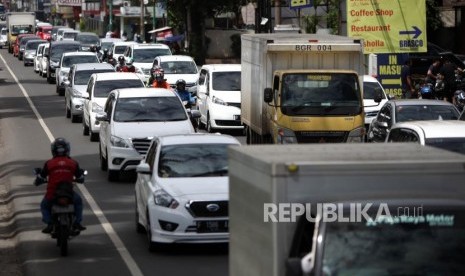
(19, 23)
(358, 209)
(301, 88)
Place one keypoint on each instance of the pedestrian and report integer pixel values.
(408, 88)
(433, 71)
(447, 72)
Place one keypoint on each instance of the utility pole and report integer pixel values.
(142, 9)
(154, 21)
(110, 24)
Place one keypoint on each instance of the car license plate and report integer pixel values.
(237, 117)
(212, 226)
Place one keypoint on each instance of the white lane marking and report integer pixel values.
(117, 242)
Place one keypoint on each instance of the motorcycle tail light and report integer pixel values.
(63, 201)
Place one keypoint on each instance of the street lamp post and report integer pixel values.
(110, 24)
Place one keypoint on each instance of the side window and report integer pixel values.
(109, 106)
(202, 76)
(150, 159)
(385, 114)
(403, 135)
(276, 88)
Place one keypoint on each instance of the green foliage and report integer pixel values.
(433, 19)
(82, 25)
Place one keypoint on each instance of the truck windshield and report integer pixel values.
(428, 244)
(320, 94)
(21, 29)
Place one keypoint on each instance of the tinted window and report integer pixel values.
(103, 88)
(152, 109)
(88, 39)
(82, 77)
(120, 49)
(57, 50)
(179, 67)
(70, 35)
(33, 45)
(450, 144)
(369, 89)
(196, 160)
(226, 81)
(106, 45)
(70, 60)
(148, 55)
(3, 32)
(425, 112)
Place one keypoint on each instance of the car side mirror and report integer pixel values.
(102, 117)
(268, 95)
(143, 168)
(378, 95)
(195, 114)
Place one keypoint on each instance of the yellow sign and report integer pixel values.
(299, 4)
(388, 26)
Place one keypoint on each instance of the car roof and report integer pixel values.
(435, 128)
(398, 102)
(222, 67)
(63, 42)
(88, 33)
(124, 43)
(64, 28)
(71, 31)
(150, 45)
(144, 92)
(112, 39)
(91, 66)
(166, 58)
(116, 76)
(79, 54)
(198, 138)
(35, 40)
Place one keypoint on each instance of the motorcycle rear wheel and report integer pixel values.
(63, 240)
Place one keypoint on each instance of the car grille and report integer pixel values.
(321, 137)
(199, 208)
(238, 105)
(228, 123)
(141, 144)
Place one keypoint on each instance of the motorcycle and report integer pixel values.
(189, 107)
(62, 212)
(427, 91)
(459, 99)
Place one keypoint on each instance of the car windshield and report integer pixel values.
(106, 45)
(369, 90)
(430, 243)
(425, 112)
(179, 67)
(194, 160)
(70, 35)
(88, 39)
(320, 94)
(68, 61)
(103, 88)
(148, 55)
(33, 45)
(226, 81)
(120, 49)
(47, 31)
(58, 50)
(81, 77)
(450, 144)
(149, 109)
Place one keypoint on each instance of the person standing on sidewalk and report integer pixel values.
(408, 88)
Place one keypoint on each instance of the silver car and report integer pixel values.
(68, 60)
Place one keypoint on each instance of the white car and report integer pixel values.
(59, 36)
(448, 135)
(76, 86)
(98, 88)
(69, 34)
(68, 60)
(182, 189)
(119, 47)
(107, 43)
(219, 96)
(143, 55)
(43, 63)
(178, 67)
(131, 118)
(38, 57)
(371, 90)
(3, 37)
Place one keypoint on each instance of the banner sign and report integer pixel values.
(74, 3)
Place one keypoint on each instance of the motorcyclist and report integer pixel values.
(183, 94)
(128, 67)
(157, 79)
(121, 64)
(61, 168)
(104, 57)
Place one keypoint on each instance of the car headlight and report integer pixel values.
(118, 142)
(286, 136)
(357, 135)
(96, 108)
(162, 198)
(219, 101)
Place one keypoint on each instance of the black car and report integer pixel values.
(55, 51)
(87, 40)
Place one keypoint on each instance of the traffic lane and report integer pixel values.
(117, 199)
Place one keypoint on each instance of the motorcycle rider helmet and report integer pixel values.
(180, 84)
(121, 60)
(159, 74)
(60, 147)
(426, 91)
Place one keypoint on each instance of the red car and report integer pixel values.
(44, 32)
(17, 41)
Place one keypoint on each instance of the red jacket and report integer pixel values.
(59, 169)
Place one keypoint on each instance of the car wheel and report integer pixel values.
(40, 72)
(208, 127)
(94, 137)
(85, 128)
(103, 160)
(200, 124)
(68, 112)
(151, 244)
(139, 227)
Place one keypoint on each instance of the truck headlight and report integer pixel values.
(118, 142)
(162, 198)
(356, 135)
(219, 101)
(96, 108)
(286, 136)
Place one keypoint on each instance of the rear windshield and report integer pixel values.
(88, 39)
(70, 35)
(226, 81)
(150, 109)
(423, 112)
(179, 67)
(33, 45)
(148, 55)
(68, 61)
(57, 50)
(120, 49)
(82, 77)
(103, 88)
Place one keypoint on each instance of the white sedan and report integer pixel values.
(182, 189)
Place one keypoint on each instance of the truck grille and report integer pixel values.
(141, 144)
(208, 208)
(321, 137)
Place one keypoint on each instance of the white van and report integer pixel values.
(219, 96)
(370, 87)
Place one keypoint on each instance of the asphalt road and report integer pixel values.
(110, 245)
